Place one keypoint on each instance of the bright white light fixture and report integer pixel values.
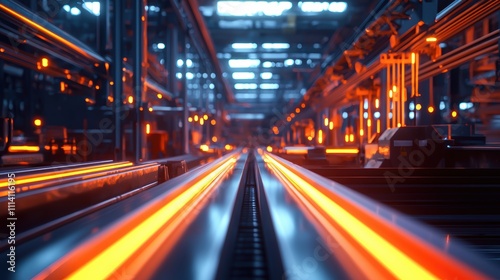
(179, 75)
(240, 46)
(267, 96)
(268, 64)
(245, 86)
(442, 105)
(266, 75)
(243, 75)
(345, 115)
(365, 115)
(411, 115)
(189, 75)
(376, 115)
(247, 116)
(67, 8)
(93, 7)
(75, 11)
(337, 7)
(269, 86)
(317, 7)
(189, 62)
(243, 63)
(276, 45)
(245, 95)
(180, 63)
(160, 46)
(289, 62)
(252, 8)
(465, 105)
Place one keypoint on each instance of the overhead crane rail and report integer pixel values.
(460, 17)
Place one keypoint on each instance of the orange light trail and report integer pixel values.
(398, 252)
(40, 27)
(342, 151)
(35, 178)
(119, 251)
(17, 149)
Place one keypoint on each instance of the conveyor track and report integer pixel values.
(250, 250)
(249, 256)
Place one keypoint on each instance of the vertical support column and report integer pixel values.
(383, 120)
(117, 78)
(2, 86)
(138, 81)
(184, 96)
(361, 128)
(171, 61)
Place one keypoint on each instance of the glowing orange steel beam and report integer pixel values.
(342, 151)
(120, 250)
(17, 149)
(399, 253)
(40, 27)
(64, 173)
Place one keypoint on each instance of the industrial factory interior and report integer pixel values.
(250, 139)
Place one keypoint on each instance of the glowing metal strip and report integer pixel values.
(63, 174)
(110, 259)
(414, 259)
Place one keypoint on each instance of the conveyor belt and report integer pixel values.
(245, 216)
(249, 256)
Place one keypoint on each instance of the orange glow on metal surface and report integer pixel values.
(377, 103)
(130, 99)
(351, 137)
(413, 59)
(397, 251)
(18, 149)
(325, 122)
(37, 26)
(454, 114)
(346, 138)
(394, 88)
(342, 151)
(148, 128)
(288, 119)
(204, 147)
(297, 110)
(418, 107)
(195, 118)
(45, 62)
(390, 93)
(128, 243)
(292, 115)
(296, 151)
(331, 126)
(369, 122)
(320, 136)
(431, 39)
(37, 122)
(214, 139)
(361, 132)
(303, 105)
(378, 126)
(35, 178)
(213, 122)
(430, 109)
(62, 86)
(269, 149)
